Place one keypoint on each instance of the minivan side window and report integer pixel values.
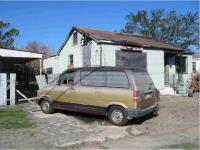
(67, 78)
(116, 79)
(89, 78)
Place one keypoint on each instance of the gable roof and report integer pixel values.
(101, 36)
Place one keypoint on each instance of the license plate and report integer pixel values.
(148, 96)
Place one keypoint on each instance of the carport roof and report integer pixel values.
(19, 55)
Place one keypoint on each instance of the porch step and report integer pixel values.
(167, 91)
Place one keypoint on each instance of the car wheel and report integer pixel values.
(118, 116)
(46, 107)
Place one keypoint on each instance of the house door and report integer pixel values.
(166, 69)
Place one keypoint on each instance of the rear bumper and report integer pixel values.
(136, 113)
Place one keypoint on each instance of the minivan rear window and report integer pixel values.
(117, 79)
(143, 80)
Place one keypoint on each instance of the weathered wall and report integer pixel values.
(70, 49)
(52, 62)
(155, 66)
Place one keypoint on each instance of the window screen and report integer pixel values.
(93, 78)
(49, 70)
(116, 79)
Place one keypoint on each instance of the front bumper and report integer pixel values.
(136, 113)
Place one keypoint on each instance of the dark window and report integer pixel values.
(105, 79)
(143, 80)
(93, 78)
(67, 77)
(49, 71)
(117, 79)
(75, 38)
(181, 64)
(71, 60)
(194, 66)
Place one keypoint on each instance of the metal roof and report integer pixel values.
(10, 53)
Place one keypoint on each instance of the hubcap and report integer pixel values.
(117, 116)
(45, 106)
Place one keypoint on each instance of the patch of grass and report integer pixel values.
(180, 146)
(13, 117)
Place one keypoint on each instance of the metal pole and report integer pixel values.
(40, 66)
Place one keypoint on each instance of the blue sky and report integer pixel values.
(50, 22)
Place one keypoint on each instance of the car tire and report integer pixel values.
(118, 116)
(46, 107)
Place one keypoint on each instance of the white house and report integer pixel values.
(196, 62)
(166, 63)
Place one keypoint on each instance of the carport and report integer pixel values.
(14, 62)
(12, 57)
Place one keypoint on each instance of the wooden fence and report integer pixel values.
(7, 89)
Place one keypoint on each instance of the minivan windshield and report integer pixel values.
(143, 81)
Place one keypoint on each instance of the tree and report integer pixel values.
(180, 29)
(38, 47)
(7, 35)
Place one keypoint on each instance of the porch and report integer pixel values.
(177, 72)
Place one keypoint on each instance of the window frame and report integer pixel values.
(194, 64)
(71, 56)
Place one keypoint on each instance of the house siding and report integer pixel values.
(52, 62)
(155, 66)
(70, 49)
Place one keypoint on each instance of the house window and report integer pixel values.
(75, 38)
(181, 64)
(71, 60)
(194, 67)
(49, 70)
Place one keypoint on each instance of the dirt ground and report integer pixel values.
(177, 123)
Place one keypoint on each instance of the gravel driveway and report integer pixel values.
(178, 122)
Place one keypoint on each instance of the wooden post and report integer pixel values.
(3, 89)
(12, 88)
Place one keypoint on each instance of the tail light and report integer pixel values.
(136, 95)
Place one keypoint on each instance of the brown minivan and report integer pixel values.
(116, 92)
